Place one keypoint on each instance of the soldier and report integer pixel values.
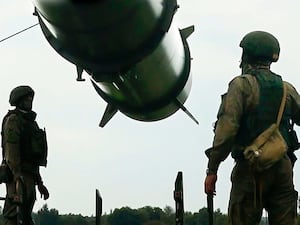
(247, 109)
(25, 150)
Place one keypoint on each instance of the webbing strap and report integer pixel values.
(281, 108)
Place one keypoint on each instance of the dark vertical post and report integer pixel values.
(210, 209)
(178, 197)
(98, 208)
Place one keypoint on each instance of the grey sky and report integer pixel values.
(135, 163)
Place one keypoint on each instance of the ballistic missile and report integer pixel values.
(138, 61)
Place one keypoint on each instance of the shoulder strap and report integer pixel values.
(282, 105)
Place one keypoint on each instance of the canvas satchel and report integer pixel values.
(269, 146)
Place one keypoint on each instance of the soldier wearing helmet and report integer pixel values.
(248, 108)
(24, 149)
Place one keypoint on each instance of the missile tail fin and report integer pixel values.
(79, 73)
(186, 32)
(110, 111)
(186, 111)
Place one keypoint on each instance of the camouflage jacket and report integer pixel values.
(241, 97)
(14, 135)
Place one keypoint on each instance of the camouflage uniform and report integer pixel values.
(272, 189)
(18, 129)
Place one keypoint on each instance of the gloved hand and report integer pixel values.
(43, 191)
(210, 184)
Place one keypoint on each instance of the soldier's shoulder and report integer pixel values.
(291, 90)
(243, 80)
(244, 84)
(12, 118)
(289, 85)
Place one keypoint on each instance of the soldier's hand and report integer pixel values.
(43, 191)
(16, 199)
(210, 184)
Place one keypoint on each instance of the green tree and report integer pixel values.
(72, 219)
(47, 217)
(220, 219)
(191, 218)
(154, 222)
(149, 213)
(125, 216)
(203, 216)
(168, 216)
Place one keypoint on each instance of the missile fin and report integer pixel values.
(186, 32)
(110, 111)
(186, 111)
(35, 13)
(79, 73)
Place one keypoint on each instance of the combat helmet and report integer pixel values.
(18, 92)
(261, 45)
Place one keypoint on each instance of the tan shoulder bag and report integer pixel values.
(269, 146)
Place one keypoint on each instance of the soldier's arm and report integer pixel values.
(293, 98)
(39, 180)
(229, 115)
(12, 145)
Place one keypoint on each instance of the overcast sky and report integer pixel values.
(135, 163)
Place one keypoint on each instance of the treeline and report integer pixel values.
(127, 216)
